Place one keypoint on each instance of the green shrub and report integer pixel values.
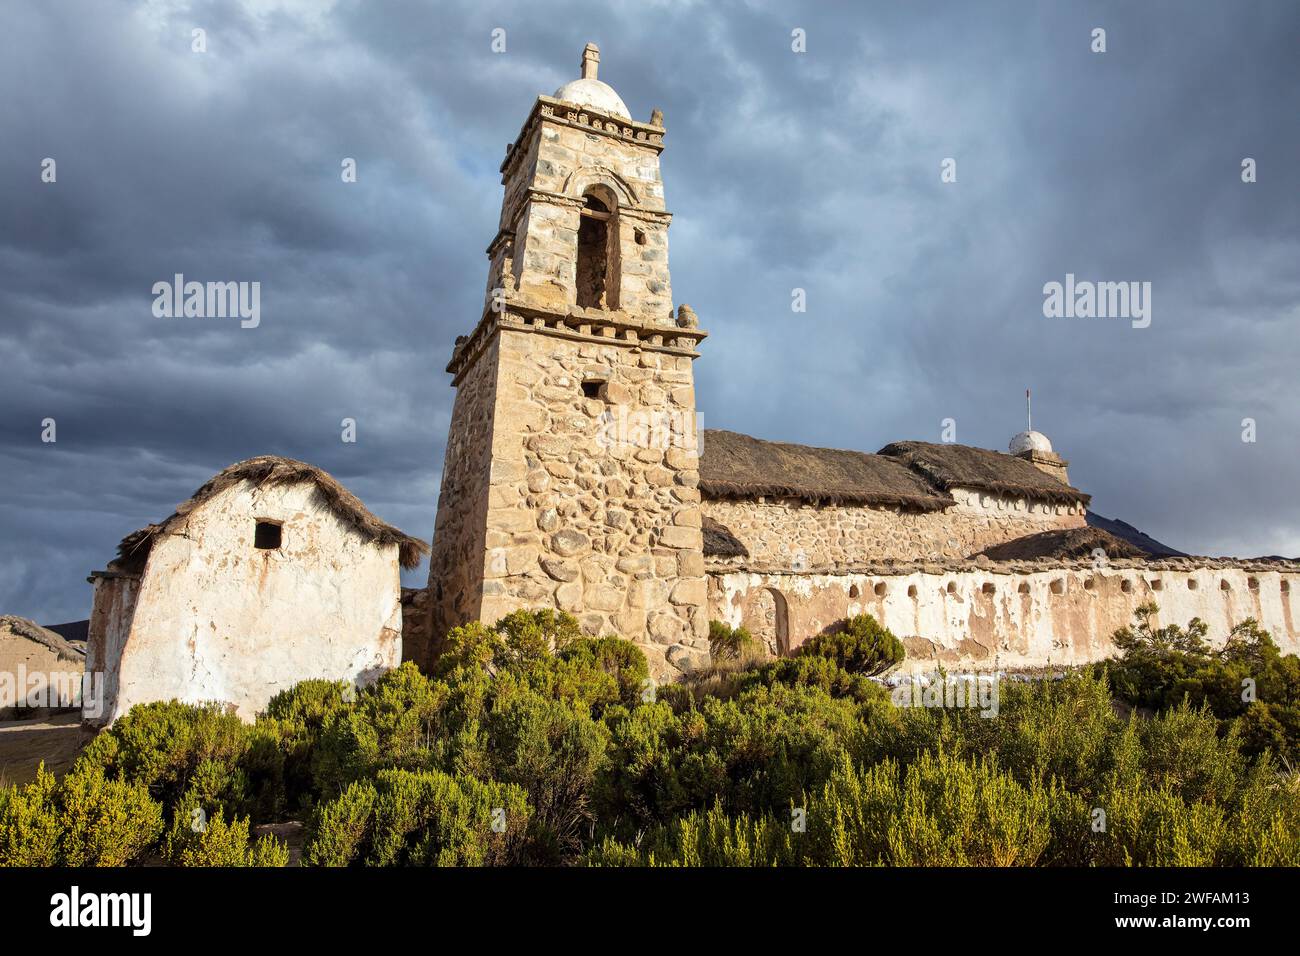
(552, 751)
(29, 823)
(1160, 667)
(753, 753)
(513, 642)
(859, 646)
(732, 644)
(940, 811)
(295, 719)
(390, 725)
(198, 839)
(820, 673)
(705, 838)
(163, 745)
(599, 672)
(550, 727)
(403, 818)
(81, 820)
(339, 829)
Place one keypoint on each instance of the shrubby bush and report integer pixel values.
(81, 820)
(1159, 667)
(859, 645)
(727, 643)
(940, 811)
(428, 818)
(168, 747)
(530, 743)
(196, 839)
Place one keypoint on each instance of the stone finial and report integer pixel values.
(590, 61)
(686, 317)
(657, 117)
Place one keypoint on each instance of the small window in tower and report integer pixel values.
(639, 235)
(266, 536)
(593, 388)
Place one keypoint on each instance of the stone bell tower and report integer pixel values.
(572, 467)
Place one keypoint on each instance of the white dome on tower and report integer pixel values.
(589, 91)
(594, 93)
(1029, 441)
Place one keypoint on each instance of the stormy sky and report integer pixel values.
(817, 170)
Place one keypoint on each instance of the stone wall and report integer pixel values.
(572, 476)
(417, 631)
(790, 534)
(590, 508)
(216, 619)
(1011, 615)
(456, 558)
(562, 152)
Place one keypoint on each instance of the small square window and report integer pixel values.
(592, 388)
(266, 537)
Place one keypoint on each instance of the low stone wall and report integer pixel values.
(794, 534)
(965, 615)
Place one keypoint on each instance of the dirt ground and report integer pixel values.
(25, 743)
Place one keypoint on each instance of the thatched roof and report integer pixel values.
(962, 466)
(738, 466)
(719, 542)
(21, 627)
(272, 470)
(1065, 543)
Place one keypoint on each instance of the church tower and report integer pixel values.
(572, 466)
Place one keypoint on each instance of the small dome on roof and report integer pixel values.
(1029, 441)
(589, 91)
(594, 93)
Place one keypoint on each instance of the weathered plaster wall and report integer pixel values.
(219, 620)
(111, 615)
(33, 669)
(786, 533)
(1028, 617)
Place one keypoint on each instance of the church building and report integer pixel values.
(576, 476)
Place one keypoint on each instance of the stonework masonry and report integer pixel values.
(456, 562)
(787, 532)
(571, 476)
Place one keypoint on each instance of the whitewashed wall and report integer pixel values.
(219, 620)
(982, 617)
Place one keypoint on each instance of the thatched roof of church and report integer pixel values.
(21, 627)
(1068, 543)
(738, 466)
(963, 466)
(719, 542)
(272, 470)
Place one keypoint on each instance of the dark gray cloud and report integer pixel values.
(818, 171)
